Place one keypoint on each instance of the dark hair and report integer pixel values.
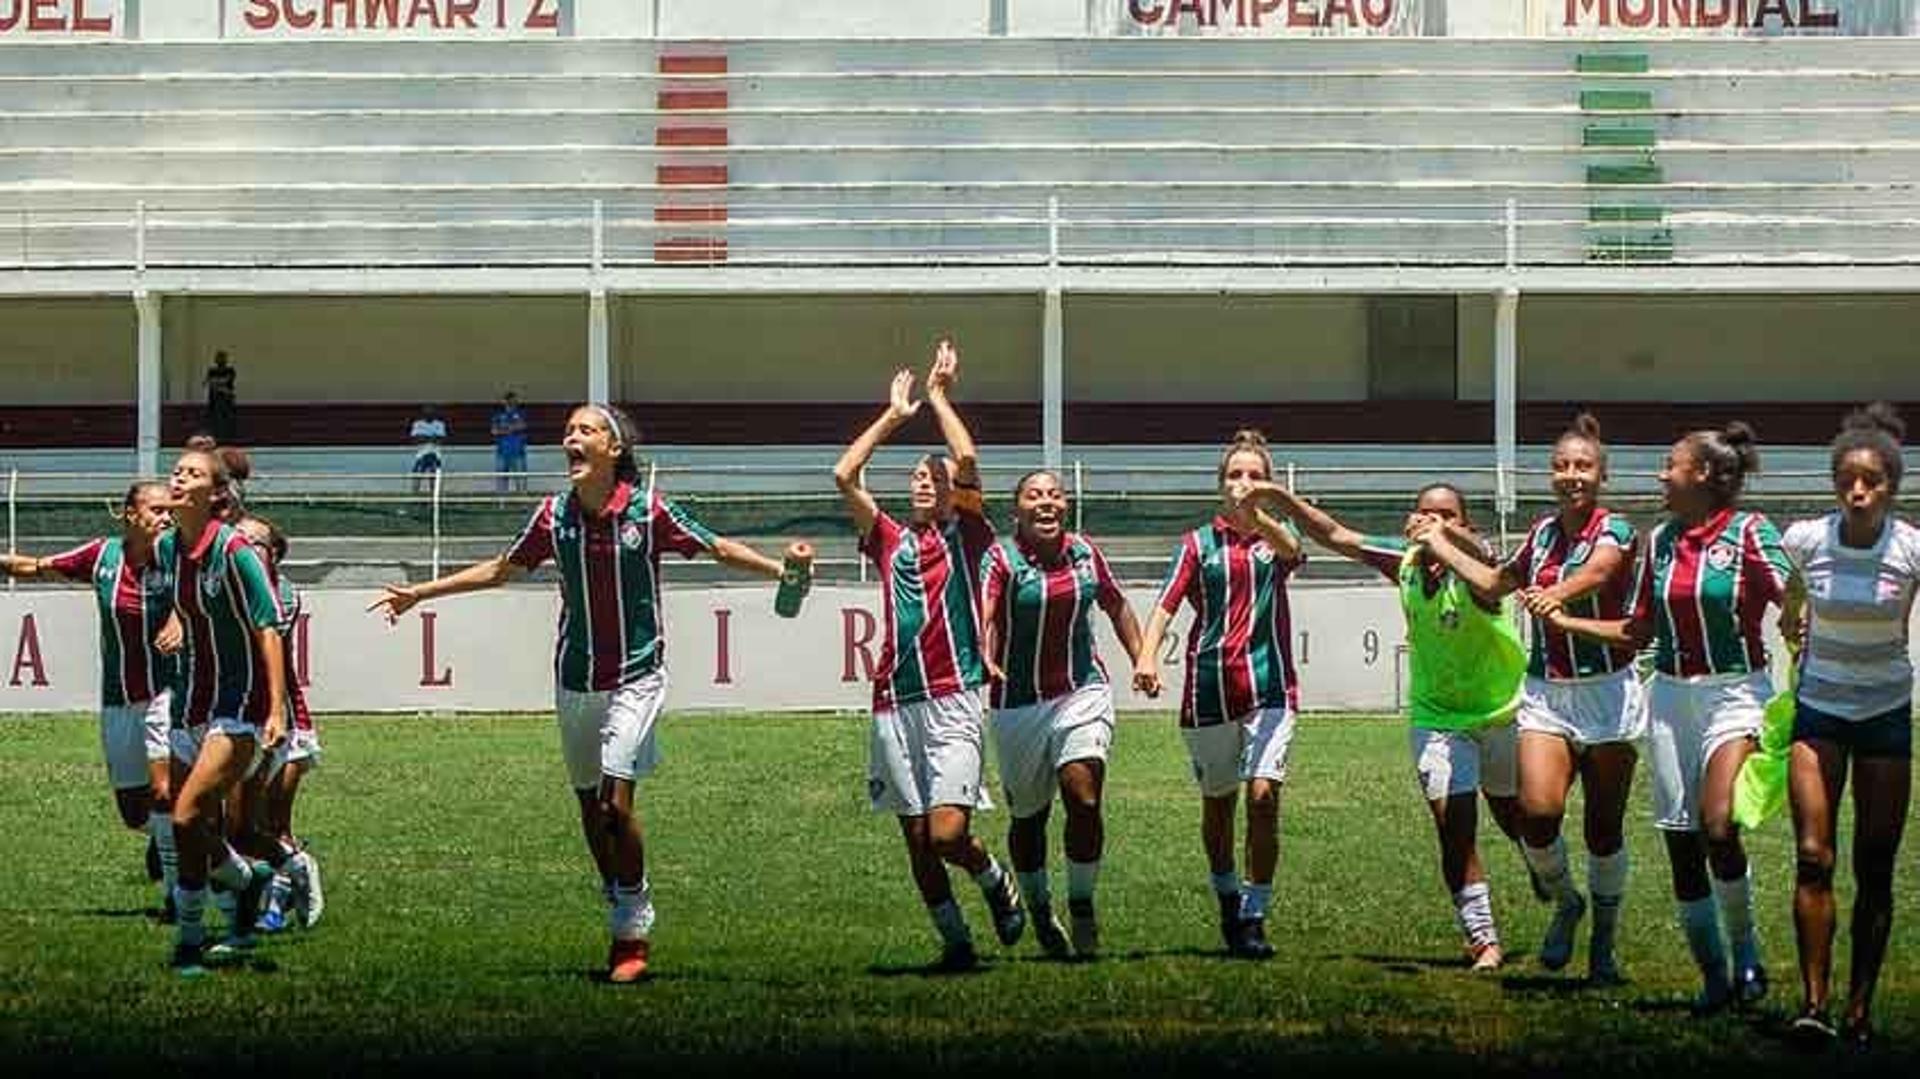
(1021, 485)
(276, 540)
(1466, 516)
(200, 442)
(624, 430)
(1245, 440)
(226, 500)
(239, 466)
(1586, 428)
(135, 489)
(1876, 427)
(1729, 455)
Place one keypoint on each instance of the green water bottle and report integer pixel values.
(796, 577)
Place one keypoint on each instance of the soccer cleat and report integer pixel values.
(1229, 918)
(1557, 948)
(955, 958)
(1086, 928)
(230, 951)
(1750, 984)
(1859, 1035)
(1250, 940)
(1812, 1029)
(1603, 969)
(1714, 997)
(627, 961)
(272, 920)
(188, 960)
(308, 899)
(1009, 920)
(1047, 930)
(1486, 957)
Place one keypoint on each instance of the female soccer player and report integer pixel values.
(135, 599)
(232, 689)
(1237, 709)
(924, 754)
(296, 878)
(1854, 705)
(1052, 704)
(606, 535)
(1710, 573)
(1582, 707)
(1467, 666)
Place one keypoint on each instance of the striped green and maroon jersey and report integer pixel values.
(928, 579)
(224, 596)
(610, 627)
(1705, 590)
(1044, 615)
(299, 717)
(1240, 647)
(134, 602)
(1550, 555)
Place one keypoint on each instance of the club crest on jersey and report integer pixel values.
(210, 585)
(1721, 556)
(1262, 551)
(630, 536)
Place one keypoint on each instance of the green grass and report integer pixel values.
(463, 925)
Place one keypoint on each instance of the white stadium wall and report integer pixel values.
(60, 351)
(1719, 348)
(811, 348)
(1132, 348)
(205, 20)
(726, 651)
(373, 348)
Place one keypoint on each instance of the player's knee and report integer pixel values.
(1813, 865)
(1263, 799)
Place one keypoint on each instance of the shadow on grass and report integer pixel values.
(1554, 984)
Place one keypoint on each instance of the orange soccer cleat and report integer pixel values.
(627, 961)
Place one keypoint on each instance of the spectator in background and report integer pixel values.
(428, 431)
(510, 444)
(222, 418)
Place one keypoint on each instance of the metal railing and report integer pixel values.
(397, 523)
(1132, 223)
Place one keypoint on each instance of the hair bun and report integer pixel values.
(1878, 416)
(1586, 425)
(1249, 436)
(1741, 439)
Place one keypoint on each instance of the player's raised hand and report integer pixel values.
(946, 367)
(900, 402)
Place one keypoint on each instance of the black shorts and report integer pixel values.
(427, 462)
(1889, 734)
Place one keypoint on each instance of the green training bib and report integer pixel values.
(1467, 663)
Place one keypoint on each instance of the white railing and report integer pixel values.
(1089, 225)
(1135, 509)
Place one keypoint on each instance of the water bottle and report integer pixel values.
(796, 577)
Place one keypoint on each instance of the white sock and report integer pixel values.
(632, 915)
(279, 890)
(160, 827)
(1035, 886)
(1549, 864)
(1735, 899)
(1473, 909)
(1701, 920)
(951, 923)
(1607, 878)
(190, 912)
(991, 878)
(1081, 877)
(1253, 900)
(1227, 883)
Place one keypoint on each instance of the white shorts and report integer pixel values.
(185, 742)
(1585, 712)
(299, 746)
(1035, 741)
(1226, 755)
(132, 736)
(1691, 718)
(610, 732)
(927, 754)
(1461, 762)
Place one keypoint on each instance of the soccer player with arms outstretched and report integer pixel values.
(1238, 706)
(925, 763)
(135, 599)
(1052, 704)
(1583, 710)
(606, 536)
(1709, 574)
(1467, 663)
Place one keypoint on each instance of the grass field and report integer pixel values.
(463, 925)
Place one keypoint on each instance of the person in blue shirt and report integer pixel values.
(510, 444)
